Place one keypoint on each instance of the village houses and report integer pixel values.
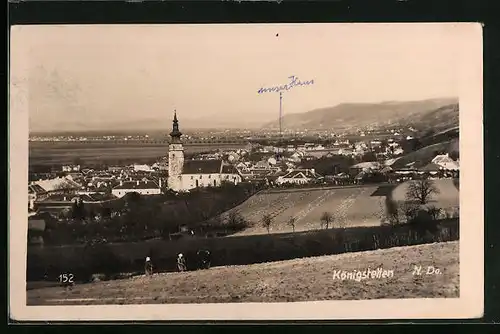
(298, 176)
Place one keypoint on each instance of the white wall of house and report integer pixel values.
(31, 200)
(123, 192)
(282, 180)
(142, 168)
(191, 181)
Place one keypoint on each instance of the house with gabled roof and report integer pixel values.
(446, 162)
(207, 173)
(58, 184)
(139, 186)
(35, 192)
(298, 176)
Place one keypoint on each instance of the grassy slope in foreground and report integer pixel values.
(294, 280)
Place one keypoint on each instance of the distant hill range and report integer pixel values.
(439, 114)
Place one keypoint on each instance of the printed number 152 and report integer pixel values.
(66, 278)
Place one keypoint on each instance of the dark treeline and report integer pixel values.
(135, 217)
(330, 165)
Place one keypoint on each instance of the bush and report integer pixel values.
(392, 212)
(409, 210)
(235, 222)
(424, 222)
(434, 212)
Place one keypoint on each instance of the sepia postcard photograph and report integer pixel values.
(246, 171)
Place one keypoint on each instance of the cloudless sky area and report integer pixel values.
(96, 76)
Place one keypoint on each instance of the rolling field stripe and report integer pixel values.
(346, 204)
(283, 208)
(268, 205)
(317, 205)
(256, 202)
(303, 213)
(256, 212)
(314, 204)
(289, 205)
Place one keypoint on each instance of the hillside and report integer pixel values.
(351, 206)
(425, 155)
(438, 113)
(447, 198)
(304, 279)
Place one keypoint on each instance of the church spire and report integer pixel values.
(175, 134)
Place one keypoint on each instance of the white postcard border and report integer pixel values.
(469, 305)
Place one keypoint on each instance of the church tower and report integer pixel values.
(175, 157)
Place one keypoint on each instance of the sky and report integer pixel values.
(125, 76)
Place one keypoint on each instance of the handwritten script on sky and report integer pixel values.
(294, 82)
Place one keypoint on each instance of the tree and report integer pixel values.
(434, 212)
(235, 221)
(391, 211)
(291, 222)
(106, 212)
(455, 155)
(326, 219)
(267, 221)
(421, 190)
(368, 157)
(78, 210)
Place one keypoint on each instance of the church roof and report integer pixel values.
(175, 134)
(59, 183)
(229, 169)
(202, 167)
(35, 189)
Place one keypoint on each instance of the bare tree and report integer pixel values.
(421, 190)
(291, 222)
(267, 221)
(326, 219)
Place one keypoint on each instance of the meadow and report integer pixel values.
(356, 226)
(350, 206)
(305, 279)
(115, 258)
(425, 155)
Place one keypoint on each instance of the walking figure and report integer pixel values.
(181, 262)
(203, 259)
(148, 266)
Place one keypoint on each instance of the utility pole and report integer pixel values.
(280, 142)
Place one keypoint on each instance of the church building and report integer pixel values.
(184, 175)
